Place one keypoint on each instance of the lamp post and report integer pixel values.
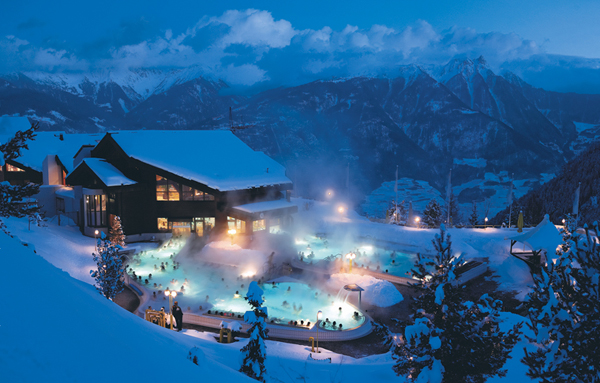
(231, 233)
(350, 256)
(96, 239)
(486, 223)
(319, 315)
(171, 295)
(417, 221)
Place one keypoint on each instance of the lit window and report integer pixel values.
(203, 225)
(174, 191)
(209, 197)
(96, 210)
(274, 225)
(11, 168)
(161, 189)
(258, 225)
(237, 224)
(163, 224)
(198, 195)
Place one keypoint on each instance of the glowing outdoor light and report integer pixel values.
(350, 257)
(563, 221)
(319, 316)
(171, 295)
(341, 209)
(231, 233)
(486, 222)
(329, 193)
(96, 239)
(417, 220)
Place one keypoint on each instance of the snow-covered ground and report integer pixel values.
(490, 194)
(56, 328)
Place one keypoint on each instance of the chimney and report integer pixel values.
(288, 195)
(61, 137)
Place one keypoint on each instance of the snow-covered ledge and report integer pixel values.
(287, 332)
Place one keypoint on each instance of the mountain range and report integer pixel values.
(353, 131)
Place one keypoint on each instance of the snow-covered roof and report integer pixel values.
(544, 236)
(65, 192)
(258, 207)
(107, 173)
(215, 158)
(46, 143)
(9, 125)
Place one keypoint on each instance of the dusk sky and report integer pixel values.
(247, 42)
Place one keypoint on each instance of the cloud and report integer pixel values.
(247, 47)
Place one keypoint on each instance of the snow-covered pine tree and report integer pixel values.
(474, 218)
(115, 234)
(432, 216)
(108, 275)
(451, 339)
(564, 310)
(12, 197)
(255, 352)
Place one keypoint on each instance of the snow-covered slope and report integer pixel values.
(57, 329)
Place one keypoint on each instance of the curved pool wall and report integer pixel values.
(388, 258)
(215, 288)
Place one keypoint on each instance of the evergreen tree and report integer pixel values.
(455, 217)
(450, 339)
(13, 197)
(110, 269)
(432, 216)
(564, 310)
(115, 233)
(474, 219)
(255, 352)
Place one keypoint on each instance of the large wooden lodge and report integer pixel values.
(178, 182)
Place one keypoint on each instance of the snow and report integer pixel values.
(581, 126)
(376, 292)
(233, 164)
(439, 294)
(255, 293)
(9, 125)
(433, 374)
(417, 329)
(258, 207)
(544, 236)
(474, 162)
(48, 143)
(58, 336)
(107, 173)
(67, 192)
(65, 346)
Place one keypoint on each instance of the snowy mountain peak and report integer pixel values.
(465, 67)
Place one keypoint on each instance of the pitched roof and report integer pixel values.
(107, 173)
(215, 158)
